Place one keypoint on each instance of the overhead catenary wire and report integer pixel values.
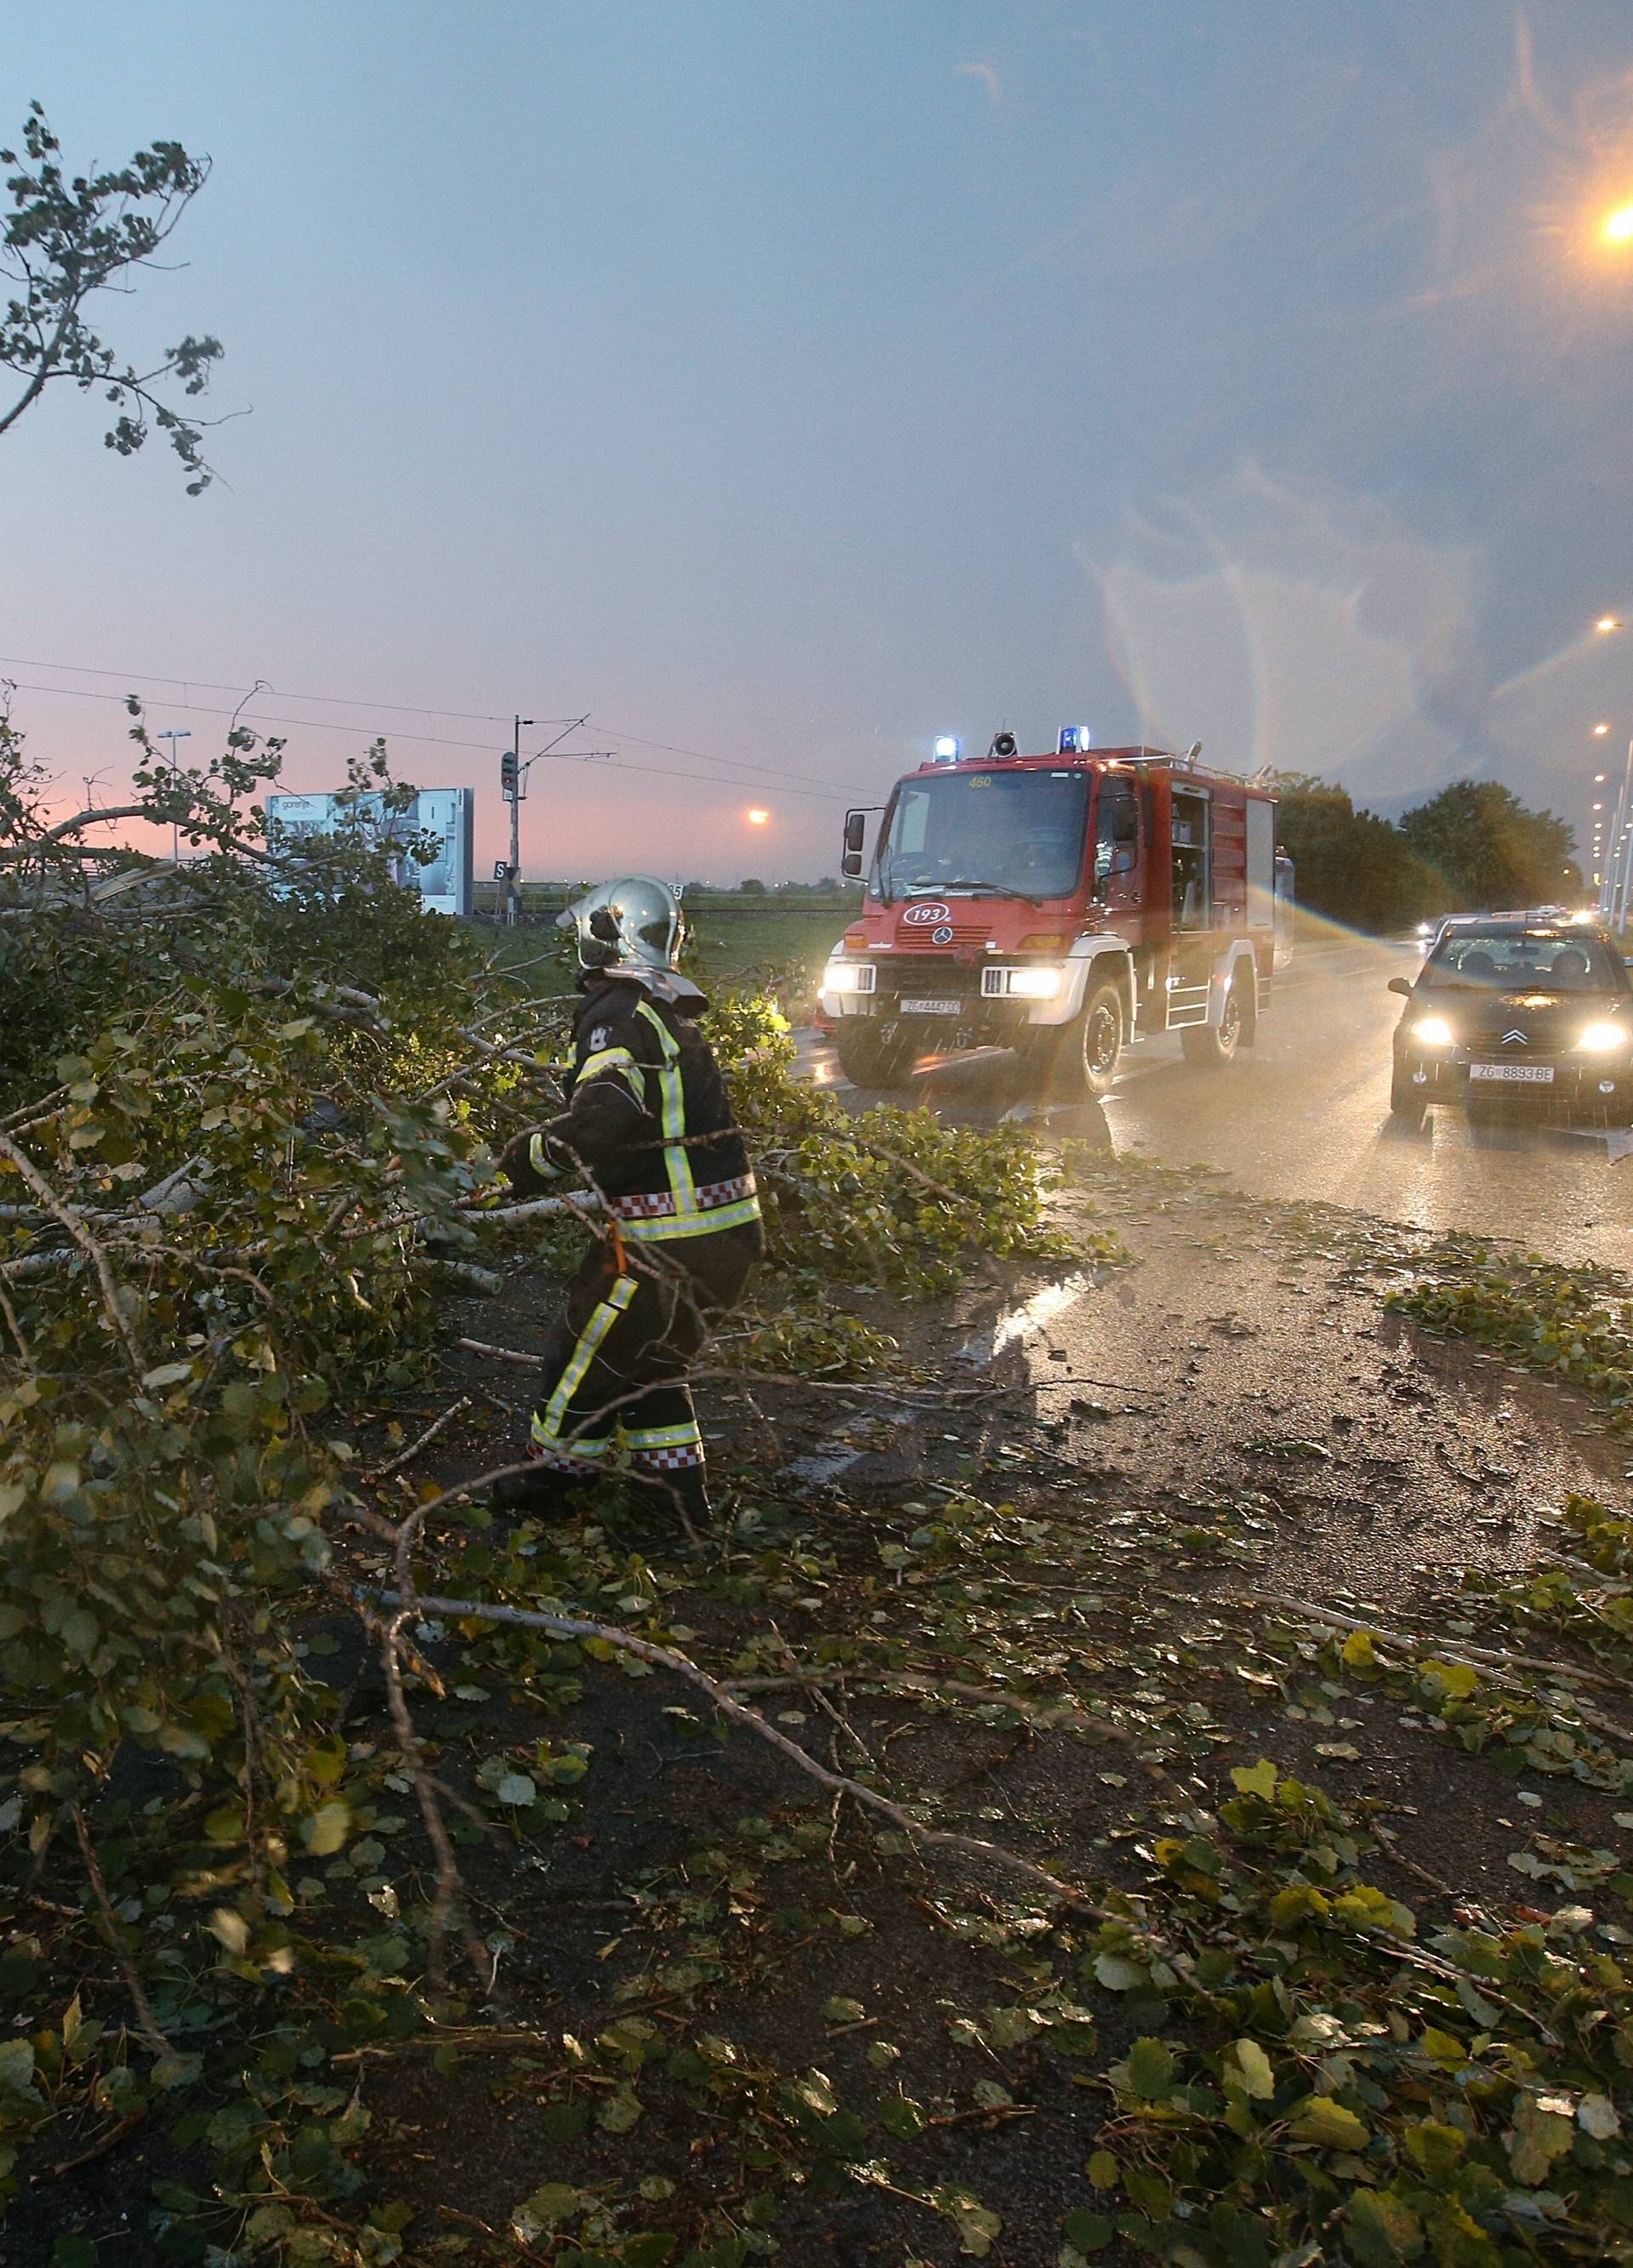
(436, 741)
(399, 708)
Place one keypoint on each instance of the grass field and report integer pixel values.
(783, 945)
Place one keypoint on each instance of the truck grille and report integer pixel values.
(929, 972)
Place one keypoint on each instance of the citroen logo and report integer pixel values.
(1514, 1039)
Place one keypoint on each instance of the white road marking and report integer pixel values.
(1023, 1323)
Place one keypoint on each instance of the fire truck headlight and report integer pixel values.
(1433, 1031)
(1035, 984)
(849, 977)
(1603, 1039)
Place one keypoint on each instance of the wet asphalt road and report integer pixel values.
(1305, 1114)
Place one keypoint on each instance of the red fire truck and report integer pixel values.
(1061, 905)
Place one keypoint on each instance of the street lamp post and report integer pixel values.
(175, 832)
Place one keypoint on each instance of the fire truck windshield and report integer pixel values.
(1009, 834)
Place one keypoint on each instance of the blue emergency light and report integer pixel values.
(1074, 740)
(947, 749)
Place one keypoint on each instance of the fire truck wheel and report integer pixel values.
(870, 1055)
(1212, 1046)
(1083, 1058)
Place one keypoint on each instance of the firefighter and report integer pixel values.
(648, 1125)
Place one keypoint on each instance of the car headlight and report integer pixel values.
(1601, 1039)
(1033, 984)
(849, 977)
(1433, 1031)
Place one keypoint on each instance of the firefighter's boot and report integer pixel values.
(543, 1492)
(683, 1491)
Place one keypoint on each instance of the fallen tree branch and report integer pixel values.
(146, 2022)
(1043, 1716)
(1498, 1666)
(1482, 1656)
(82, 1236)
(664, 1657)
(407, 1456)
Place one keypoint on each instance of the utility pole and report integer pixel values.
(176, 833)
(513, 764)
(513, 771)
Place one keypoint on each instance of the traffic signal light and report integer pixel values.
(508, 776)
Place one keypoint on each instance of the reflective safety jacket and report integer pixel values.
(648, 1115)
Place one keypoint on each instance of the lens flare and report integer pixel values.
(758, 817)
(1618, 226)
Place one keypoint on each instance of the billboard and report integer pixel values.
(446, 813)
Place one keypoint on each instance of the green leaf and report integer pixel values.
(1536, 2138)
(619, 2113)
(1330, 2126)
(75, 2252)
(545, 2208)
(1103, 2170)
(326, 1831)
(1250, 2064)
(1434, 2150)
(1383, 2229)
(1456, 1679)
(1089, 2231)
(1256, 1779)
(516, 1788)
(1150, 2069)
(1118, 1974)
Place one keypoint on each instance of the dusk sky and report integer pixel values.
(783, 384)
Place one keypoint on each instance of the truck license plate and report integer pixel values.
(1520, 1074)
(931, 1007)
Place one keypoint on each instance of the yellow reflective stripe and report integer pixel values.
(538, 1158)
(568, 1446)
(671, 1115)
(601, 1321)
(664, 1437)
(603, 1063)
(697, 1223)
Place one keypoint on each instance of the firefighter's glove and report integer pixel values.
(527, 1158)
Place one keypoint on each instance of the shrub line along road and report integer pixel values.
(1305, 1114)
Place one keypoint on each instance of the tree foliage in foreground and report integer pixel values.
(69, 238)
(247, 1125)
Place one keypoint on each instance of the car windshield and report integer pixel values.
(1543, 960)
(1015, 834)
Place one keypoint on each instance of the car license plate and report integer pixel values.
(931, 1007)
(1518, 1074)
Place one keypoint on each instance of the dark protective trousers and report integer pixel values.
(635, 1318)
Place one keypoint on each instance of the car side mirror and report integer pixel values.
(852, 858)
(1401, 984)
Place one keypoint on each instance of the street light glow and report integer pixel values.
(1599, 731)
(757, 817)
(1608, 623)
(1617, 227)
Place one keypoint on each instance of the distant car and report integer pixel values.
(1524, 1007)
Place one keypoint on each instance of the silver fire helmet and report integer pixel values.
(635, 922)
